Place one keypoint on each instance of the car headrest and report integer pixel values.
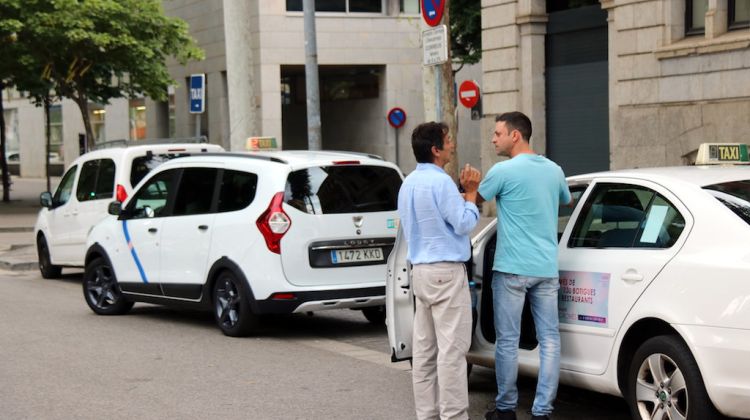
(625, 198)
(621, 214)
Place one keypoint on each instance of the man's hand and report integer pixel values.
(469, 179)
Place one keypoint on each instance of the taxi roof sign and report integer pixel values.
(722, 154)
(255, 144)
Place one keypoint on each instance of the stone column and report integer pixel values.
(241, 80)
(532, 26)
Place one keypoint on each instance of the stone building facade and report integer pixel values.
(664, 77)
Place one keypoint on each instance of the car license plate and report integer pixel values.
(342, 256)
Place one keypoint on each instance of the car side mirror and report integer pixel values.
(45, 199)
(115, 208)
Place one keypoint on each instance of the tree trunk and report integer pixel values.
(448, 99)
(83, 106)
(3, 161)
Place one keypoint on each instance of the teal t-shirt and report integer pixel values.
(528, 190)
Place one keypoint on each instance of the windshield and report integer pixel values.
(343, 189)
(735, 195)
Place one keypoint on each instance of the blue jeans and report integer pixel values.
(509, 291)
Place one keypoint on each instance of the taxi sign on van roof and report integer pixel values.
(255, 144)
(722, 154)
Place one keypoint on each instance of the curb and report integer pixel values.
(23, 266)
(16, 229)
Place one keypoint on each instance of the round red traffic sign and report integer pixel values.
(432, 11)
(396, 117)
(468, 93)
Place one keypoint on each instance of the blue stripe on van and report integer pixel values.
(132, 251)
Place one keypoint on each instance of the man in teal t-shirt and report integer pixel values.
(528, 189)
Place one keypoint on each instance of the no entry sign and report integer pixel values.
(468, 93)
(396, 117)
(432, 11)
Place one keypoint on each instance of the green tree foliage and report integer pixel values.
(97, 50)
(466, 31)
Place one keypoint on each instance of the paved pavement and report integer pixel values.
(17, 218)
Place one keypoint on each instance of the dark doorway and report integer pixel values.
(577, 87)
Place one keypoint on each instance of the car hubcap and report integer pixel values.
(101, 289)
(661, 392)
(227, 304)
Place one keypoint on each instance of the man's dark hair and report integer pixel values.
(516, 121)
(424, 137)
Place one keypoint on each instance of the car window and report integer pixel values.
(196, 191)
(343, 189)
(151, 200)
(564, 212)
(735, 195)
(626, 216)
(142, 165)
(237, 190)
(97, 180)
(62, 194)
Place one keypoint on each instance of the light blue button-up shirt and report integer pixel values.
(435, 219)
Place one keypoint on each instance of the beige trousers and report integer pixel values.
(442, 336)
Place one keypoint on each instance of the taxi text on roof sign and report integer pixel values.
(255, 144)
(722, 154)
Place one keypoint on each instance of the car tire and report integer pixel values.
(375, 314)
(48, 270)
(664, 382)
(231, 307)
(101, 291)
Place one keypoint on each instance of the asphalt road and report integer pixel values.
(58, 360)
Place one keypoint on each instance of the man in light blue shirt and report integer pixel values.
(528, 189)
(436, 221)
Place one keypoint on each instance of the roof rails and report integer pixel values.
(247, 155)
(370, 155)
(126, 143)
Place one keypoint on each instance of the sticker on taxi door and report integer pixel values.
(584, 298)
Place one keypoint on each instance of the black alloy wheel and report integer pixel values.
(375, 314)
(231, 308)
(101, 291)
(48, 270)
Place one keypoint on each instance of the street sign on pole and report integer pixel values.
(468, 93)
(396, 117)
(435, 45)
(432, 11)
(197, 93)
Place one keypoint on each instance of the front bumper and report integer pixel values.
(722, 355)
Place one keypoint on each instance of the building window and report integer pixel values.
(137, 116)
(739, 14)
(695, 17)
(410, 7)
(341, 6)
(171, 112)
(337, 83)
(97, 116)
(56, 133)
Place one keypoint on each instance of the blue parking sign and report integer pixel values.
(197, 93)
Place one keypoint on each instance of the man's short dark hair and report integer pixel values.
(516, 121)
(424, 137)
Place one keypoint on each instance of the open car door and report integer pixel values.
(399, 301)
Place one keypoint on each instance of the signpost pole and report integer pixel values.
(197, 125)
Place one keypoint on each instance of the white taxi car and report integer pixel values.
(247, 234)
(654, 302)
(86, 189)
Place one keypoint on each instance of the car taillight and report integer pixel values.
(121, 195)
(274, 223)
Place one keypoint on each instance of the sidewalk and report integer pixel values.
(17, 218)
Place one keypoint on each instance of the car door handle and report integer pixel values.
(632, 276)
(203, 227)
(152, 230)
